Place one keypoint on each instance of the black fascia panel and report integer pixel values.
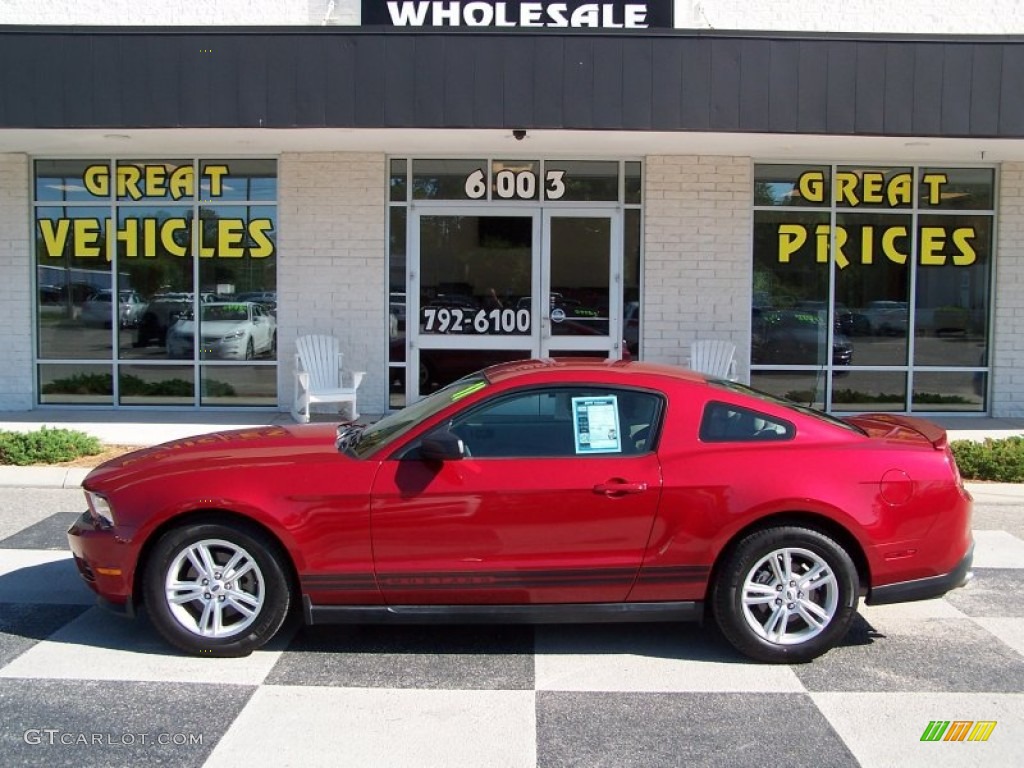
(664, 80)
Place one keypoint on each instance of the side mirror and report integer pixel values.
(442, 446)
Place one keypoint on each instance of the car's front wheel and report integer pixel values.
(785, 594)
(216, 589)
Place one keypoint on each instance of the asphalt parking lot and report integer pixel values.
(81, 687)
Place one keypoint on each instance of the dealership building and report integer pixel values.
(188, 188)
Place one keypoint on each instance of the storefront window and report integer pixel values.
(122, 286)
(883, 290)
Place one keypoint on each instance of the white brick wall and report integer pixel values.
(331, 268)
(697, 271)
(1008, 341)
(991, 17)
(15, 279)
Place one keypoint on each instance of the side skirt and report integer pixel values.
(568, 613)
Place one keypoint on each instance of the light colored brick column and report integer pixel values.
(697, 255)
(1007, 341)
(332, 264)
(16, 377)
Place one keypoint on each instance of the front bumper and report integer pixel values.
(104, 561)
(924, 589)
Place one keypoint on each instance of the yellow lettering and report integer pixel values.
(149, 238)
(97, 180)
(812, 186)
(932, 241)
(934, 182)
(822, 232)
(841, 238)
(846, 188)
(167, 236)
(889, 238)
(791, 239)
(215, 172)
(55, 236)
(87, 238)
(156, 181)
(901, 189)
(128, 233)
(263, 246)
(873, 187)
(128, 177)
(230, 237)
(182, 182)
(867, 245)
(962, 237)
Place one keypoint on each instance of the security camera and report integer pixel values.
(519, 134)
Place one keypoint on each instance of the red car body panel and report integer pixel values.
(381, 530)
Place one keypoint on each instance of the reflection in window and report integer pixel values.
(144, 292)
(76, 385)
(902, 277)
(74, 316)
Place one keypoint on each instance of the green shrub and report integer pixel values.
(47, 446)
(1000, 460)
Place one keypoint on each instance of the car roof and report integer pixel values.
(567, 367)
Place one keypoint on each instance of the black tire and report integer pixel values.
(250, 350)
(766, 621)
(264, 589)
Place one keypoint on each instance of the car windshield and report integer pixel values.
(212, 312)
(395, 425)
(793, 406)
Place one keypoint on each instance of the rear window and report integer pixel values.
(726, 423)
(732, 386)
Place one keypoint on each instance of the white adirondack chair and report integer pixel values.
(714, 357)
(319, 377)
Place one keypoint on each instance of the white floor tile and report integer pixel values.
(381, 727)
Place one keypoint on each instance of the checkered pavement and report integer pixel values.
(81, 687)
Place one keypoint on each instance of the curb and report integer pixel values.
(43, 477)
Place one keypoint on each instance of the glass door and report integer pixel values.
(580, 271)
(507, 284)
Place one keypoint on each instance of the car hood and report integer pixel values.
(257, 446)
(900, 428)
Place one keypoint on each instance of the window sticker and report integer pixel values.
(596, 424)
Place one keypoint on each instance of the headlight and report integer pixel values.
(100, 509)
(234, 335)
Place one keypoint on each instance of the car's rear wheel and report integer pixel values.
(216, 589)
(785, 594)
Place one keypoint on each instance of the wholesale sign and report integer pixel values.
(519, 14)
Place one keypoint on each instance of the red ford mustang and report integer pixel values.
(540, 491)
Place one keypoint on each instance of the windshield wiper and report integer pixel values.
(349, 436)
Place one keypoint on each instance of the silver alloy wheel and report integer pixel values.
(790, 596)
(214, 588)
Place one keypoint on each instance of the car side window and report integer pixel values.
(723, 422)
(561, 422)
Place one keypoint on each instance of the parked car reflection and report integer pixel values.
(97, 309)
(229, 331)
(794, 337)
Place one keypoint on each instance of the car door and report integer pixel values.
(553, 504)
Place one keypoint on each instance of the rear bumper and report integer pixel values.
(924, 589)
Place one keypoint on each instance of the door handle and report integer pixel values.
(619, 488)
